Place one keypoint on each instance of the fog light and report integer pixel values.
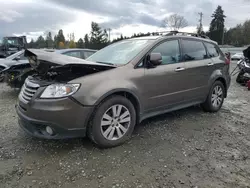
(49, 130)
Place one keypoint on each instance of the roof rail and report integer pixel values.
(171, 33)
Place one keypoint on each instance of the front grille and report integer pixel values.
(28, 91)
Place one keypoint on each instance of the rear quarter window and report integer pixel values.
(212, 50)
(193, 50)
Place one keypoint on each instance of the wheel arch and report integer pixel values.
(223, 81)
(218, 76)
(131, 96)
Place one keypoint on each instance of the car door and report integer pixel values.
(163, 84)
(217, 61)
(197, 63)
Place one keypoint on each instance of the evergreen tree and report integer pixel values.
(98, 37)
(216, 30)
(59, 38)
(41, 42)
(86, 41)
(49, 40)
(80, 43)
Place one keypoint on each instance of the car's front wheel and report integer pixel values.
(215, 97)
(113, 122)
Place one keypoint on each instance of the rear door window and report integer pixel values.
(193, 50)
(212, 50)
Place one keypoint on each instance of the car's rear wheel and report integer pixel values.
(113, 122)
(215, 98)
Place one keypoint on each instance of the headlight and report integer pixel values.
(59, 90)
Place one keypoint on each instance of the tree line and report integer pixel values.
(98, 37)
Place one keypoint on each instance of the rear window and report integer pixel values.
(212, 50)
(193, 50)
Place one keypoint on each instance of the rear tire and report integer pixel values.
(215, 98)
(113, 122)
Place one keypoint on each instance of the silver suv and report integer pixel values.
(105, 96)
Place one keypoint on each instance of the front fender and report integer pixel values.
(93, 95)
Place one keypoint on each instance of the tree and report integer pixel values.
(56, 43)
(238, 35)
(59, 38)
(98, 37)
(72, 44)
(49, 40)
(216, 29)
(86, 41)
(80, 43)
(61, 45)
(175, 22)
(32, 44)
(41, 42)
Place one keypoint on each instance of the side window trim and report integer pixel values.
(143, 59)
(191, 39)
(215, 47)
(207, 53)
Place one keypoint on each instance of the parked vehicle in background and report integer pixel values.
(237, 56)
(122, 84)
(16, 67)
(243, 66)
(11, 45)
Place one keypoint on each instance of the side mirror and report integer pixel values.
(17, 58)
(155, 59)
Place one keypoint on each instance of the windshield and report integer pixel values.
(11, 57)
(119, 53)
(12, 41)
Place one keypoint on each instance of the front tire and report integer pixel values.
(215, 98)
(113, 122)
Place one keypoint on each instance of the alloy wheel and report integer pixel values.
(115, 122)
(217, 96)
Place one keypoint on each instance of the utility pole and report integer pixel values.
(223, 37)
(200, 21)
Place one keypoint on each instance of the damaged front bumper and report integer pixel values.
(65, 117)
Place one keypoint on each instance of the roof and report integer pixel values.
(146, 38)
(172, 36)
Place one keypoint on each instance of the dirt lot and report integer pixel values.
(186, 148)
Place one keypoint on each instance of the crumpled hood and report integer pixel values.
(54, 59)
(9, 63)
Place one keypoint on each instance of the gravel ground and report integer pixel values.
(186, 148)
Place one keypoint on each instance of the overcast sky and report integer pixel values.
(34, 17)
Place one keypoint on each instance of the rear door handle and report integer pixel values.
(179, 69)
(210, 64)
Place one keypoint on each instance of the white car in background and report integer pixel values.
(237, 56)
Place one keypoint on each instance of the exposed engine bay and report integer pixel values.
(65, 73)
(58, 68)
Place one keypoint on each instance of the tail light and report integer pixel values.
(228, 58)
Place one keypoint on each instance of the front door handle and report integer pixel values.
(179, 69)
(210, 64)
